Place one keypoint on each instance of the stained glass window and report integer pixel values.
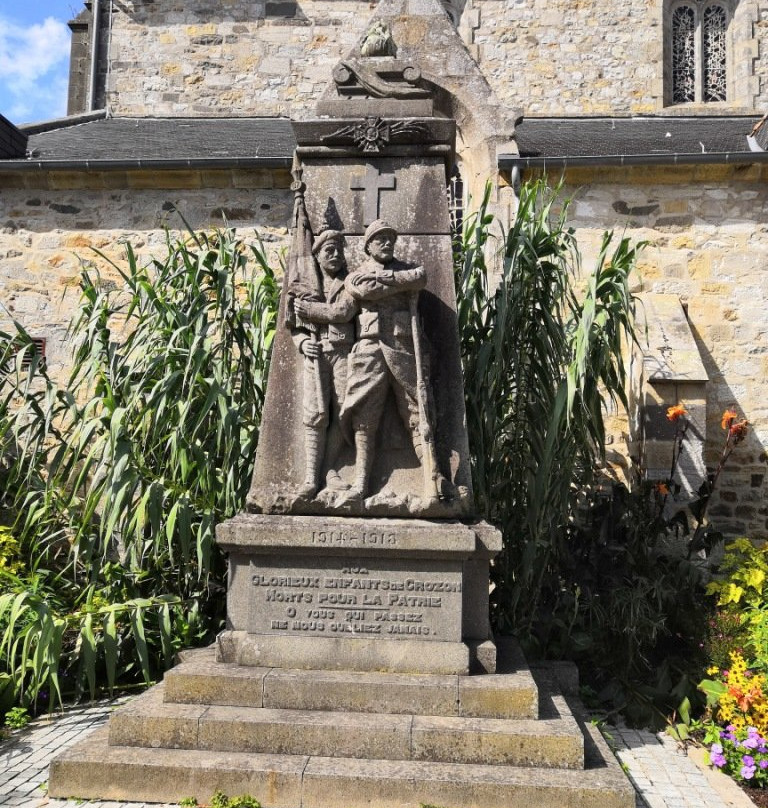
(698, 51)
(683, 55)
(713, 53)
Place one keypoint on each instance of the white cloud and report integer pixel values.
(33, 69)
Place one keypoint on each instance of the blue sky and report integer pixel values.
(34, 58)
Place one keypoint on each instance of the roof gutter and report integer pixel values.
(511, 161)
(138, 164)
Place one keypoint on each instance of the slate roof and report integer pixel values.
(640, 139)
(105, 142)
(95, 141)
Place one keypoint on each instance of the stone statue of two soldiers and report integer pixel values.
(358, 342)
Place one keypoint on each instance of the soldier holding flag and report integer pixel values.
(319, 311)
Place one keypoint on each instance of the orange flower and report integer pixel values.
(729, 416)
(673, 413)
(745, 700)
(738, 431)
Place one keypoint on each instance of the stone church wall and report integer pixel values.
(543, 57)
(707, 234)
(707, 228)
(50, 224)
(257, 58)
(572, 58)
(559, 57)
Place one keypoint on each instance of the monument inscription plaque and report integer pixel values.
(370, 596)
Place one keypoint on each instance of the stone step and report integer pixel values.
(149, 721)
(92, 769)
(201, 680)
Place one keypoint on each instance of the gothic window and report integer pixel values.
(683, 55)
(713, 53)
(698, 52)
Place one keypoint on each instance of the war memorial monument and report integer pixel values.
(358, 667)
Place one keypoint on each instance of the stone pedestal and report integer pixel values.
(346, 739)
(336, 593)
(356, 670)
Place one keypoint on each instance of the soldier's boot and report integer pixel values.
(363, 466)
(312, 439)
(334, 482)
(334, 445)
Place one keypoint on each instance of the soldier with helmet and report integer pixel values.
(387, 355)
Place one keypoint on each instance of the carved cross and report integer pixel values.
(372, 184)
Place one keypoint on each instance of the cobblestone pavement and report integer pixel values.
(25, 756)
(663, 776)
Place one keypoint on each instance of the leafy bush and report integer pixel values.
(221, 800)
(742, 582)
(538, 363)
(736, 722)
(10, 552)
(119, 477)
(637, 604)
(726, 632)
(16, 718)
(741, 591)
(590, 570)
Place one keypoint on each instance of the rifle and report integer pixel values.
(425, 428)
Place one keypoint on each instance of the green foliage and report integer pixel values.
(17, 718)
(10, 552)
(538, 363)
(221, 800)
(188, 802)
(726, 632)
(743, 576)
(632, 609)
(713, 690)
(119, 477)
(681, 725)
(589, 571)
(741, 591)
